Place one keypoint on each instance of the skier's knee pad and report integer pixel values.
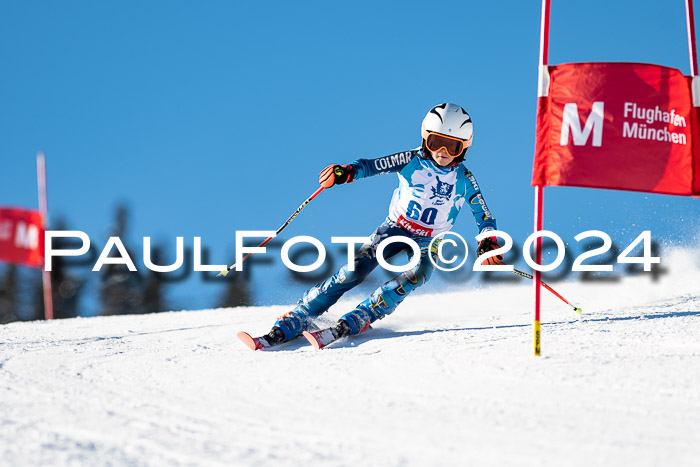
(414, 278)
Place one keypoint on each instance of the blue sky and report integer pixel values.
(211, 117)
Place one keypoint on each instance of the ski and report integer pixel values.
(320, 339)
(272, 339)
(253, 343)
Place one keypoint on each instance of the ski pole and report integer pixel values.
(303, 205)
(528, 276)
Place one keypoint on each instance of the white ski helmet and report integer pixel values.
(449, 120)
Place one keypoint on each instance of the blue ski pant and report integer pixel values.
(382, 302)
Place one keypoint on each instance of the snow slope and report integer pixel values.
(448, 379)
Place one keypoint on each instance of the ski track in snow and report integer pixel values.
(448, 379)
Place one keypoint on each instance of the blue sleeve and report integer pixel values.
(383, 165)
(482, 215)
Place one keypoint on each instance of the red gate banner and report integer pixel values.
(21, 237)
(623, 126)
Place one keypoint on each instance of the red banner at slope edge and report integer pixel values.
(21, 237)
(624, 126)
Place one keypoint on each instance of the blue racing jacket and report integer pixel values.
(428, 198)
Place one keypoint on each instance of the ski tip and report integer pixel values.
(248, 340)
(312, 340)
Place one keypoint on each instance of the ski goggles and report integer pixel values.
(454, 146)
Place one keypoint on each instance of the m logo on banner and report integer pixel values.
(27, 236)
(571, 124)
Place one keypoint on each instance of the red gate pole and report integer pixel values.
(542, 85)
(695, 85)
(44, 209)
(690, 21)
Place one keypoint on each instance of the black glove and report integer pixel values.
(336, 174)
(488, 244)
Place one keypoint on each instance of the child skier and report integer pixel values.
(433, 187)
